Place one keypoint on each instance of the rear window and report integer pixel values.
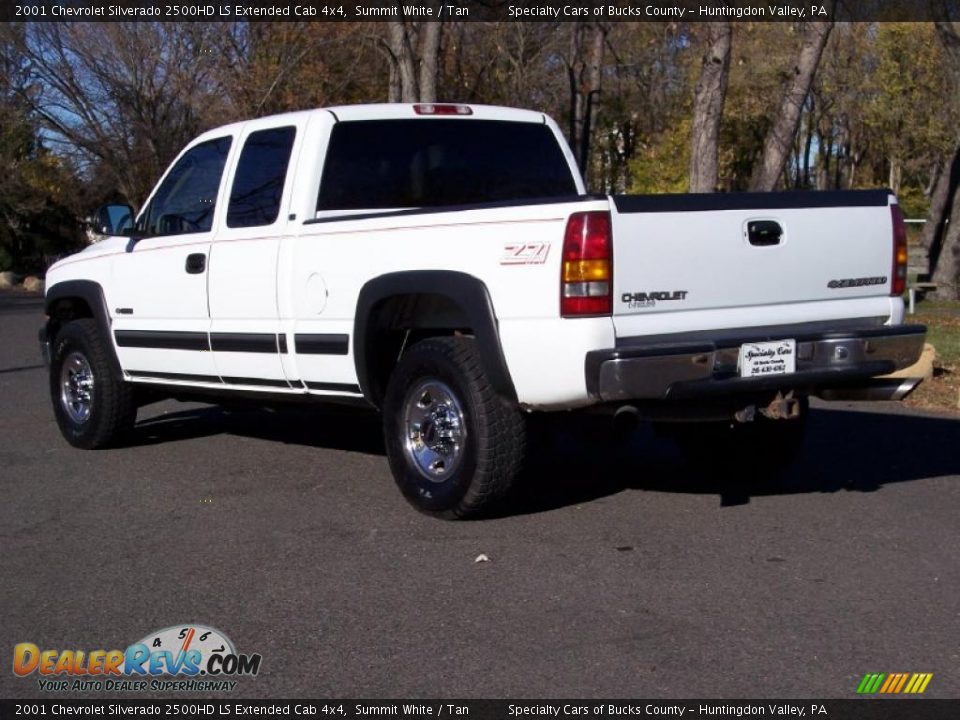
(379, 164)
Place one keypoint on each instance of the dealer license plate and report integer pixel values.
(768, 358)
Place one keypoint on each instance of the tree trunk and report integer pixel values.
(947, 272)
(398, 41)
(429, 60)
(394, 92)
(895, 176)
(776, 147)
(591, 94)
(584, 73)
(413, 75)
(941, 204)
(824, 152)
(942, 233)
(807, 149)
(708, 100)
(574, 70)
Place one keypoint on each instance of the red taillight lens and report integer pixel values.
(900, 255)
(586, 266)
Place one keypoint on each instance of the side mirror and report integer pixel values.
(114, 219)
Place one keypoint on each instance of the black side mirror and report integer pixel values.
(114, 219)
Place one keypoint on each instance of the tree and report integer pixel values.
(783, 126)
(944, 219)
(708, 99)
(278, 67)
(38, 212)
(584, 74)
(126, 96)
(413, 53)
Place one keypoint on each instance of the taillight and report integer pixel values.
(442, 109)
(899, 284)
(586, 270)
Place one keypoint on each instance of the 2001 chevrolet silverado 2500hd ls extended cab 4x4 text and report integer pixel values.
(443, 264)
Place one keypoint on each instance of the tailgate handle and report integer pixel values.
(764, 232)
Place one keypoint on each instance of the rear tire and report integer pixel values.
(93, 407)
(454, 445)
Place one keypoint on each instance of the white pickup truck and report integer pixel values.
(444, 265)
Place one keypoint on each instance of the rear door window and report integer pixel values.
(258, 183)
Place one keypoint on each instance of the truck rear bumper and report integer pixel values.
(701, 364)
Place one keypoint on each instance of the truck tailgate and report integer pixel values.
(680, 254)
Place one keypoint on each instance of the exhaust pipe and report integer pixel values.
(626, 419)
(879, 389)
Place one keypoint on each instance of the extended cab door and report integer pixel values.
(158, 293)
(244, 318)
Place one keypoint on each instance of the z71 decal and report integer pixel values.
(534, 253)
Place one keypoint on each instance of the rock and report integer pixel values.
(7, 280)
(922, 368)
(33, 284)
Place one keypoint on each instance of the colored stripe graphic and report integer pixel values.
(918, 683)
(894, 683)
(903, 679)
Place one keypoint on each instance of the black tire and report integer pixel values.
(761, 449)
(93, 414)
(477, 440)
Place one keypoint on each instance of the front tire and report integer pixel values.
(454, 445)
(93, 407)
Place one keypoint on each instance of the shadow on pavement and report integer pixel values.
(340, 428)
(575, 459)
(844, 451)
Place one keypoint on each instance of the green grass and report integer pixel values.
(942, 318)
(942, 392)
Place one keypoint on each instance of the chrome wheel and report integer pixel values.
(434, 429)
(76, 387)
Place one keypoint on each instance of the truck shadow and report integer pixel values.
(331, 427)
(844, 451)
(575, 459)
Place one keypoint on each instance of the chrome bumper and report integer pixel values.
(827, 362)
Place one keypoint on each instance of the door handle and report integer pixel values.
(196, 263)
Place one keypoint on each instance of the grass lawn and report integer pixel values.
(942, 319)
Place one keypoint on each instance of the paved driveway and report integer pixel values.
(619, 573)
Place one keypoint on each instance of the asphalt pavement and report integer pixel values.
(619, 572)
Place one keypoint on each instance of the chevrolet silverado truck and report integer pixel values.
(444, 265)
